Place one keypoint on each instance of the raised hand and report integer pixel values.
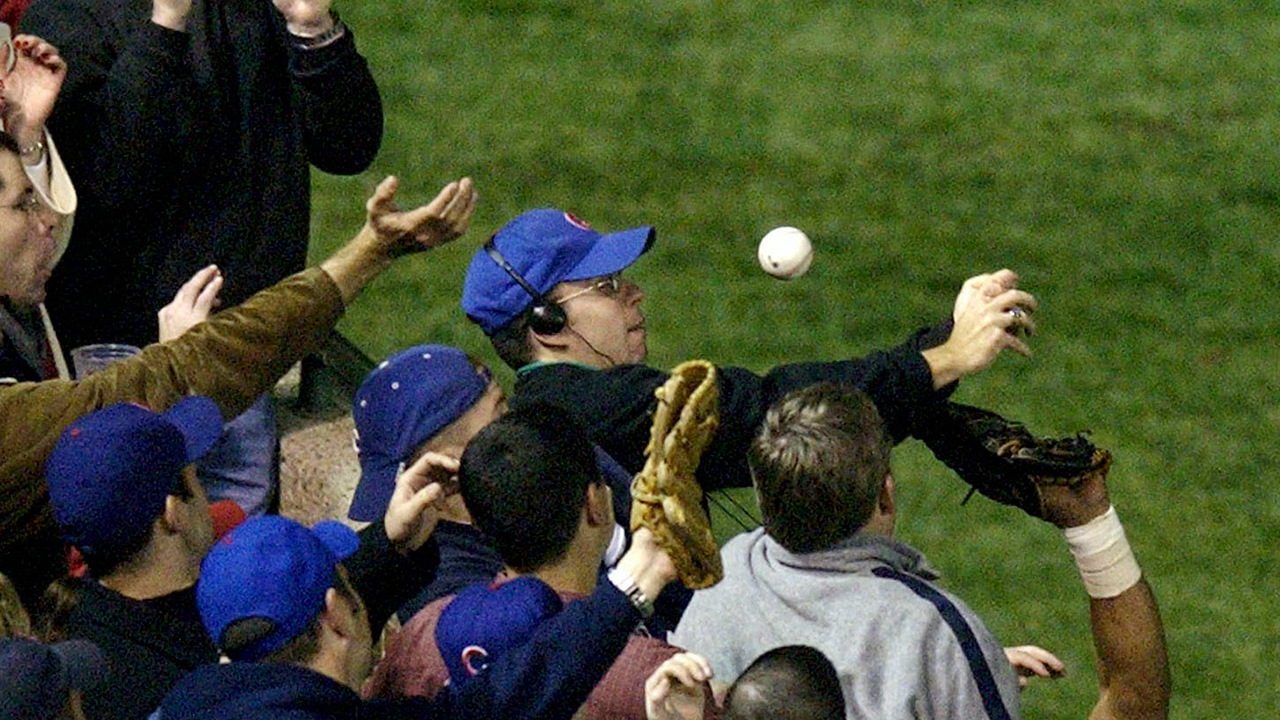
(306, 18)
(191, 305)
(677, 689)
(990, 313)
(171, 14)
(444, 219)
(28, 93)
(419, 496)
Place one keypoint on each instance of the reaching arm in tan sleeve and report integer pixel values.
(1128, 636)
(232, 358)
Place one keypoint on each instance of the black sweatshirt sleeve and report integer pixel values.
(341, 110)
(386, 579)
(126, 107)
(616, 405)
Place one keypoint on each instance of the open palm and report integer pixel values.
(31, 89)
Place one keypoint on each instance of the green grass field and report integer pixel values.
(1120, 155)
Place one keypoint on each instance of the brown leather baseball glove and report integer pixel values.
(665, 496)
(1001, 459)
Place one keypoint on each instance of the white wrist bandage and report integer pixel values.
(1106, 562)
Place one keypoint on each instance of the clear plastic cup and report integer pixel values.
(89, 359)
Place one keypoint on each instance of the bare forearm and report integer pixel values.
(1133, 662)
(356, 265)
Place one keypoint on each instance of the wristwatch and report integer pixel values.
(324, 38)
(622, 580)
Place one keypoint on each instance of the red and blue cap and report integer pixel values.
(483, 622)
(546, 247)
(275, 569)
(36, 679)
(110, 471)
(403, 403)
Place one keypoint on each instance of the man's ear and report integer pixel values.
(337, 613)
(599, 504)
(888, 500)
(555, 341)
(174, 517)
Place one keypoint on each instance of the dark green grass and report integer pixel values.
(1120, 155)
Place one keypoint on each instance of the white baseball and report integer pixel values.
(785, 253)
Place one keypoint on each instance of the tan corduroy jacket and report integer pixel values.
(233, 358)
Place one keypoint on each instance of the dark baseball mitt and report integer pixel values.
(1001, 459)
(665, 496)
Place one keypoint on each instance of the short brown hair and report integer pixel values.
(818, 463)
(511, 342)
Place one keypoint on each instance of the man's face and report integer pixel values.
(491, 406)
(360, 658)
(26, 236)
(606, 326)
(198, 533)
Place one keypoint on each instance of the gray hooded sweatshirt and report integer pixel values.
(902, 647)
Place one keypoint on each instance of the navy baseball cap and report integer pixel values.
(110, 471)
(546, 247)
(272, 568)
(36, 679)
(403, 403)
(482, 623)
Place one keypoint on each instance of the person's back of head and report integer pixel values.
(819, 462)
(525, 479)
(266, 587)
(795, 682)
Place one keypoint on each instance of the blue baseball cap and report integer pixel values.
(272, 568)
(403, 403)
(482, 623)
(36, 679)
(110, 471)
(546, 247)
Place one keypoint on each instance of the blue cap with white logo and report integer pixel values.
(403, 403)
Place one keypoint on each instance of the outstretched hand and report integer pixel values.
(677, 689)
(419, 497)
(28, 93)
(990, 313)
(444, 219)
(1031, 661)
(191, 305)
(306, 18)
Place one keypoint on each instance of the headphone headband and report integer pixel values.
(545, 316)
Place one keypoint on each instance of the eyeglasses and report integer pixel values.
(29, 205)
(6, 39)
(610, 286)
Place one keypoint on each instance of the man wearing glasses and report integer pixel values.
(31, 73)
(547, 291)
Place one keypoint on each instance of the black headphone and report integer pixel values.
(545, 317)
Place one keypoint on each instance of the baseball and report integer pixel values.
(785, 253)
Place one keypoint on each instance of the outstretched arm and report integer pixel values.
(1133, 662)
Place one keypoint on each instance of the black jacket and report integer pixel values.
(191, 148)
(616, 405)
